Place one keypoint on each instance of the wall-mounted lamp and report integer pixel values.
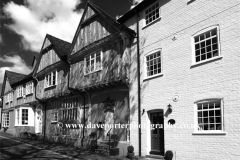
(170, 107)
(143, 111)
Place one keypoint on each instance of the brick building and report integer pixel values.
(189, 74)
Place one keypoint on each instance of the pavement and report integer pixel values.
(21, 148)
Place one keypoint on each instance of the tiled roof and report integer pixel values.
(110, 19)
(14, 77)
(63, 47)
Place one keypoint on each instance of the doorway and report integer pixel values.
(157, 133)
(38, 124)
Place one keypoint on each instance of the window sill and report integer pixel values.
(24, 125)
(93, 72)
(50, 87)
(19, 97)
(209, 133)
(149, 24)
(29, 94)
(54, 122)
(206, 61)
(152, 77)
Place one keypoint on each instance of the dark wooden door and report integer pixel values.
(157, 133)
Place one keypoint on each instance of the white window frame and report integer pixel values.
(5, 119)
(6, 99)
(144, 21)
(19, 91)
(50, 76)
(197, 130)
(193, 45)
(11, 96)
(54, 114)
(18, 116)
(29, 88)
(94, 65)
(145, 64)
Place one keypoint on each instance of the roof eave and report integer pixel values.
(136, 9)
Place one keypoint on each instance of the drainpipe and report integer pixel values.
(139, 87)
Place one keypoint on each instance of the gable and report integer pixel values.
(92, 28)
(7, 86)
(89, 13)
(48, 57)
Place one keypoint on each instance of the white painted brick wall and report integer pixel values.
(220, 78)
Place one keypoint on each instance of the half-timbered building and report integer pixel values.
(18, 103)
(99, 71)
(56, 104)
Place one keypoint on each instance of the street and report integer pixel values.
(10, 148)
(21, 148)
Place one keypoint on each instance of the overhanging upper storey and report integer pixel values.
(95, 30)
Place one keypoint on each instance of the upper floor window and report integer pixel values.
(209, 115)
(152, 14)
(50, 79)
(19, 91)
(8, 97)
(5, 119)
(206, 45)
(29, 88)
(93, 62)
(153, 64)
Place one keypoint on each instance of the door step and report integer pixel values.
(155, 156)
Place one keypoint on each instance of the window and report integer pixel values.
(17, 116)
(29, 88)
(24, 116)
(10, 96)
(206, 45)
(209, 115)
(153, 64)
(5, 119)
(50, 79)
(19, 91)
(152, 14)
(69, 108)
(93, 62)
(6, 99)
(54, 115)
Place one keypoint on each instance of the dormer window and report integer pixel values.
(93, 62)
(29, 88)
(19, 91)
(50, 79)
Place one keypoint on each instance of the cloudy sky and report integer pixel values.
(24, 24)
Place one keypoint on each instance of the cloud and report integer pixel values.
(36, 18)
(135, 3)
(18, 65)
